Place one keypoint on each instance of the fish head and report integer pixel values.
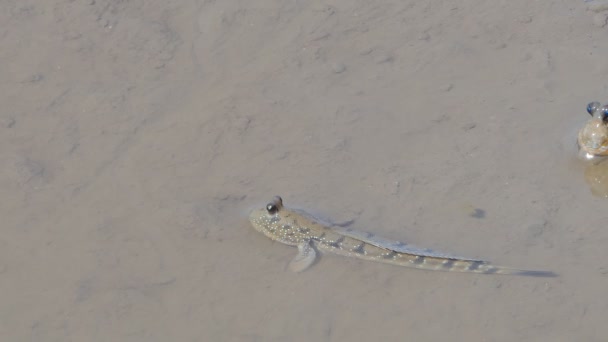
(593, 137)
(263, 219)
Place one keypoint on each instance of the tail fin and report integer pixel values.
(487, 268)
(461, 265)
(491, 269)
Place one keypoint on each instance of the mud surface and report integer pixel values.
(136, 135)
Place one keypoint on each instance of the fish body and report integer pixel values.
(297, 228)
(593, 137)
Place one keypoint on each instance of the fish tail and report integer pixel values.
(487, 268)
(463, 265)
(492, 269)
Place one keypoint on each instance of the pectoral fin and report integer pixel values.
(305, 257)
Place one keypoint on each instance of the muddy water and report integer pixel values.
(136, 135)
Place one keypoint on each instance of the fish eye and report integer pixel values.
(272, 208)
(592, 107)
(605, 113)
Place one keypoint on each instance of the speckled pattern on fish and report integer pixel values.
(297, 228)
(593, 137)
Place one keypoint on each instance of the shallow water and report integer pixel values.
(136, 136)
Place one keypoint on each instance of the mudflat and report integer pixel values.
(137, 136)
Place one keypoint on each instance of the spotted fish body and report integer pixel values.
(297, 228)
(593, 137)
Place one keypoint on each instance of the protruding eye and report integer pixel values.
(592, 107)
(272, 208)
(604, 113)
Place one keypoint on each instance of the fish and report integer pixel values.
(593, 136)
(312, 236)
